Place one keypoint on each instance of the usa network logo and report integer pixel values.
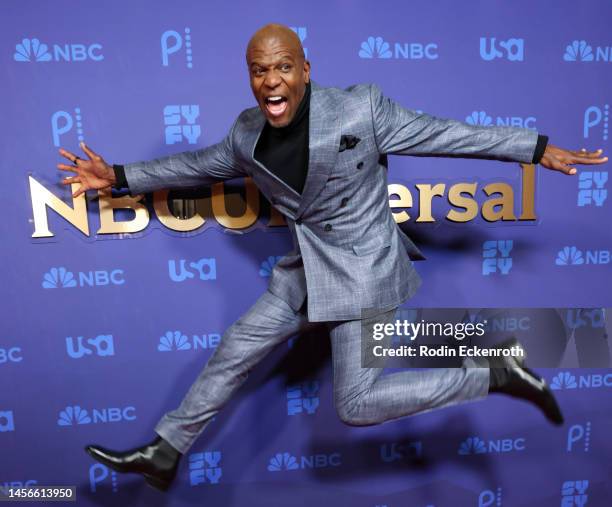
(283, 461)
(32, 50)
(62, 278)
(377, 47)
(572, 256)
(581, 51)
(475, 445)
(566, 380)
(73, 415)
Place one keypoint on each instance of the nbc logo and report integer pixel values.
(475, 445)
(175, 340)
(32, 50)
(483, 119)
(283, 461)
(62, 278)
(377, 47)
(565, 380)
(570, 255)
(75, 415)
(581, 51)
(265, 268)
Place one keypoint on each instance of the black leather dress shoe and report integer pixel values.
(510, 376)
(157, 461)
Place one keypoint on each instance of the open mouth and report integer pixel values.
(276, 104)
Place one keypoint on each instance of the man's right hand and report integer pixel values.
(92, 174)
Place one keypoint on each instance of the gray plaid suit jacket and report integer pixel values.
(348, 254)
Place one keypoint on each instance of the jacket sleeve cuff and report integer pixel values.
(121, 182)
(539, 149)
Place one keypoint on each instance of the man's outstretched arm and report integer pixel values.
(403, 131)
(182, 170)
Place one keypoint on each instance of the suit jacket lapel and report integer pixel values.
(323, 142)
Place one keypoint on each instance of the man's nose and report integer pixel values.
(272, 79)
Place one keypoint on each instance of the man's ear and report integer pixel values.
(307, 71)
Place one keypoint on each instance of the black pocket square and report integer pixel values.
(348, 142)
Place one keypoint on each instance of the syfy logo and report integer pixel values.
(63, 122)
(565, 380)
(475, 445)
(204, 468)
(488, 497)
(101, 475)
(302, 33)
(496, 255)
(573, 493)
(102, 345)
(265, 268)
(396, 451)
(580, 51)
(32, 50)
(512, 50)
(591, 188)
(286, 461)
(579, 434)
(481, 118)
(592, 318)
(180, 123)
(596, 117)
(570, 255)
(7, 422)
(175, 340)
(206, 268)
(10, 355)
(302, 398)
(61, 277)
(73, 415)
(376, 47)
(172, 42)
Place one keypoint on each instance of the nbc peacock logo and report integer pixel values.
(265, 268)
(282, 461)
(479, 118)
(569, 255)
(563, 380)
(472, 445)
(375, 47)
(32, 50)
(578, 51)
(58, 277)
(173, 340)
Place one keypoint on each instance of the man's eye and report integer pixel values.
(286, 67)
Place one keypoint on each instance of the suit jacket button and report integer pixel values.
(298, 221)
(359, 165)
(344, 201)
(328, 227)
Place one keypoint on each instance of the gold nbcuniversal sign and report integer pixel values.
(498, 206)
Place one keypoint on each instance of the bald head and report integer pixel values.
(275, 32)
(278, 72)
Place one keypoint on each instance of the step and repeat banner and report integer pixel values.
(112, 304)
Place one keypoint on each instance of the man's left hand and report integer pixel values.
(562, 160)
